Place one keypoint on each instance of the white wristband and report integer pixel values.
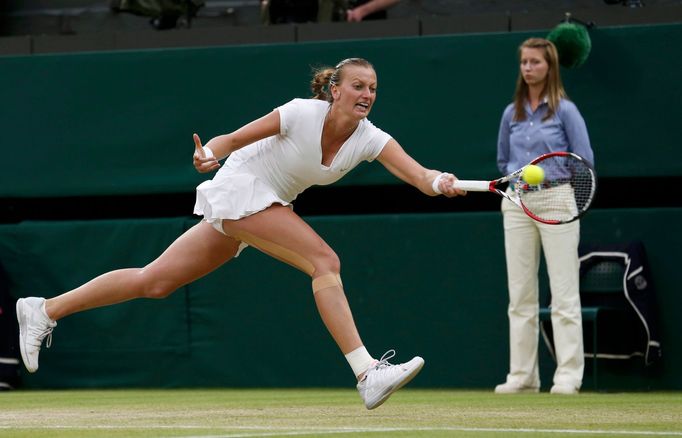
(436, 182)
(208, 152)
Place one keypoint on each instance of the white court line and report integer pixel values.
(287, 431)
(337, 431)
(435, 429)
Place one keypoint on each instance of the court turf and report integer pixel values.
(334, 412)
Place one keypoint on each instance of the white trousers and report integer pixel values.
(523, 238)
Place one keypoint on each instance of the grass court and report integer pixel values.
(334, 412)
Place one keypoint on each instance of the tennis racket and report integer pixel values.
(563, 196)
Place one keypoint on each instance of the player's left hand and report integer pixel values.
(202, 163)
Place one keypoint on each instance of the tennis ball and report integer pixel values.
(533, 174)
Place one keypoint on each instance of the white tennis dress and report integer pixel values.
(278, 168)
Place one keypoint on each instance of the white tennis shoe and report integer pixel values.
(34, 326)
(383, 379)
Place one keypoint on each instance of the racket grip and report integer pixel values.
(472, 185)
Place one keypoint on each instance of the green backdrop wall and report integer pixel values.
(121, 122)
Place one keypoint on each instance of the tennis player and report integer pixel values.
(541, 120)
(248, 203)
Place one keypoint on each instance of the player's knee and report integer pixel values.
(154, 288)
(159, 290)
(327, 261)
(327, 271)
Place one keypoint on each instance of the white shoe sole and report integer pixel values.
(517, 391)
(562, 391)
(21, 318)
(386, 393)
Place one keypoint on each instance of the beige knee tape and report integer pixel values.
(325, 281)
(277, 251)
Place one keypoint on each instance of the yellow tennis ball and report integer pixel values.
(533, 174)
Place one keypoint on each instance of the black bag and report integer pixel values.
(164, 13)
(9, 338)
(631, 327)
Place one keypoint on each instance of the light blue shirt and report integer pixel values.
(519, 142)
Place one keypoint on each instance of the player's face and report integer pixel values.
(533, 66)
(357, 91)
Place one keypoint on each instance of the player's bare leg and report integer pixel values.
(281, 233)
(194, 254)
(197, 252)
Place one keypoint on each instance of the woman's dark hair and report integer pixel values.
(326, 76)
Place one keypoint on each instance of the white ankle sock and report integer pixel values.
(359, 359)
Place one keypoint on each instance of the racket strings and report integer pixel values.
(564, 194)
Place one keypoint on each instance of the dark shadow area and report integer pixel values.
(386, 199)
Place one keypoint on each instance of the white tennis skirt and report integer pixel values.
(234, 195)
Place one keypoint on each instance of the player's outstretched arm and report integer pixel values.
(394, 158)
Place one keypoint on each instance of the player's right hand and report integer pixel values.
(445, 186)
(202, 163)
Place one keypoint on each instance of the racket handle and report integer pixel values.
(472, 185)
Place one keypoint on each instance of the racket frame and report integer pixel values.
(492, 186)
